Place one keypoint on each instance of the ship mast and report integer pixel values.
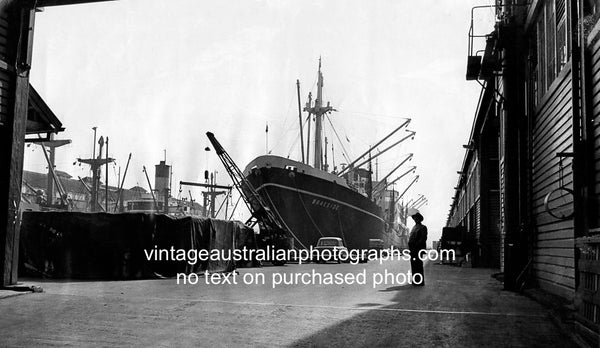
(318, 110)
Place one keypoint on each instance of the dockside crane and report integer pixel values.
(262, 211)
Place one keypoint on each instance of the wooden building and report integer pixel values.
(475, 205)
(17, 18)
(541, 64)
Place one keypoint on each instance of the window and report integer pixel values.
(549, 48)
(329, 242)
(541, 66)
(561, 34)
(550, 43)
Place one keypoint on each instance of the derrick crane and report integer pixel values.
(260, 209)
(271, 225)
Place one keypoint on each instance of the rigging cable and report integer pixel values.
(289, 153)
(341, 228)
(285, 121)
(295, 140)
(281, 219)
(344, 152)
(374, 116)
(234, 208)
(306, 210)
(220, 207)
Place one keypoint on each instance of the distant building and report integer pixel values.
(78, 196)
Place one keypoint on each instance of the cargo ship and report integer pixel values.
(314, 202)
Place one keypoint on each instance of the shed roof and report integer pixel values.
(40, 118)
(45, 3)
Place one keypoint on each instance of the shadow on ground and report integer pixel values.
(458, 307)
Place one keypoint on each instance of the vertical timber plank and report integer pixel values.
(14, 145)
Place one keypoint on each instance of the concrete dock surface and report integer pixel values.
(457, 307)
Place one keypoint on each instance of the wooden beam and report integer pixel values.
(55, 143)
(12, 147)
(46, 3)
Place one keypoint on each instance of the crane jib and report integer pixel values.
(260, 209)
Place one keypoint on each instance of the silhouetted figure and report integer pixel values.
(417, 241)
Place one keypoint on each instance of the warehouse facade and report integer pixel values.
(534, 151)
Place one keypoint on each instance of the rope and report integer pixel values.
(307, 213)
(341, 229)
(234, 208)
(282, 221)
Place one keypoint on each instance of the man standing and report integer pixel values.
(417, 241)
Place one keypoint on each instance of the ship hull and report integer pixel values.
(312, 207)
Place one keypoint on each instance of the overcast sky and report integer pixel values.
(159, 74)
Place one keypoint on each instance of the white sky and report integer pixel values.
(158, 74)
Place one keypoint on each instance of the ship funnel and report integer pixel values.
(162, 178)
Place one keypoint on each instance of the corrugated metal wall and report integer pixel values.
(553, 261)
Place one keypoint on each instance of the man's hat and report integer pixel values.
(412, 211)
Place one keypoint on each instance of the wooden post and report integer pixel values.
(50, 178)
(512, 147)
(580, 192)
(106, 180)
(12, 141)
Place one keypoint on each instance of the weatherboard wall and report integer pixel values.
(553, 251)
